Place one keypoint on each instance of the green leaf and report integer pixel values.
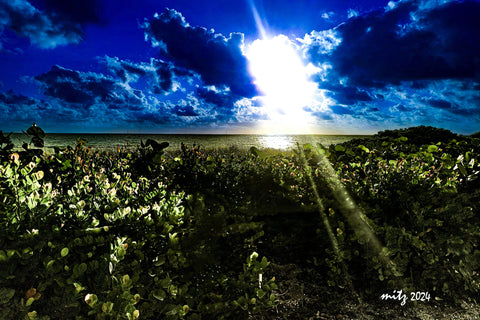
(79, 269)
(64, 252)
(8, 172)
(6, 294)
(432, 148)
(468, 155)
(82, 267)
(159, 261)
(126, 280)
(308, 147)
(159, 294)
(462, 169)
(78, 287)
(165, 283)
(260, 293)
(50, 264)
(172, 312)
(29, 301)
(350, 153)
(3, 256)
(264, 263)
(339, 148)
(365, 149)
(91, 299)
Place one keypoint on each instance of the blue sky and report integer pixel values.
(251, 66)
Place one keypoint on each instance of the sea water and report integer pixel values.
(208, 141)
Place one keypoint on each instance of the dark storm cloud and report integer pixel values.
(24, 110)
(160, 74)
(218, 59)
(408, 43)
(451, 107)
(441, 104)
(164, 77)
(86, 88)
(346, 95)
(415, 61)
(98, 100)
(125, 70)
(146, 117)
(10, 98)
(85, 99)
(221, 99)
(184, 111)
(60, 23)
(215, 104)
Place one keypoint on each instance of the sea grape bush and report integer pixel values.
(422, 202)
(419, 197)
(81, 235)
(155, 233)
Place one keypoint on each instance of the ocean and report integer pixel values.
(208, 141)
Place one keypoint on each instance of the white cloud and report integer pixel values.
(249, 110)
(352, 13)
(323, 42)
(328, 15)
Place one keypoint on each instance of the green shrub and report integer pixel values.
(421, 201)
(150, 233)
(91, 239)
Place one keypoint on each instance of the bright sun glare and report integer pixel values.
(283, 81)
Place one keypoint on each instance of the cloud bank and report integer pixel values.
(411, 63)
(217, 59)
(60, 23)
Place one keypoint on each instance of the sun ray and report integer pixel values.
(258, 20)
(352, 213)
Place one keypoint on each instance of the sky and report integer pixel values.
(245, 66)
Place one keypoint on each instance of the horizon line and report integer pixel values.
(206, 134)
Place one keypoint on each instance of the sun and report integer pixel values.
(282, 78)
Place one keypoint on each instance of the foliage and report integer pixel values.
(421, 200)
(6, 145)
(37, 136)
(83, 235)
(150, 233)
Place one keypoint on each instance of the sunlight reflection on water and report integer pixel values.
(277, 142)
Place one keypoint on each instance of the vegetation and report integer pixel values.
(212, 234)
